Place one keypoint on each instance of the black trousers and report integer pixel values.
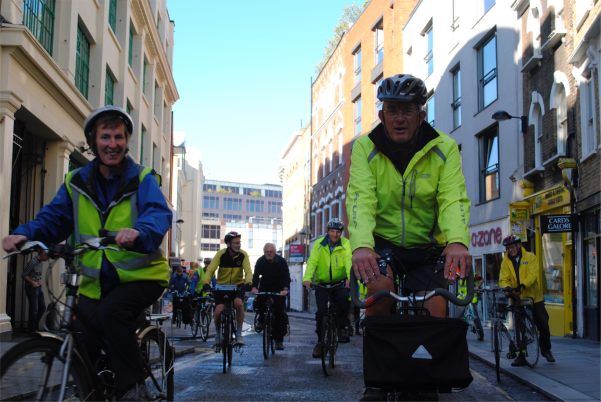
(110, 323)
(37, 306)
(339, 298)
(280, 318)
(541, 320)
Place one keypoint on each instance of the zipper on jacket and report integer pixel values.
(403, 213)
(412, 188)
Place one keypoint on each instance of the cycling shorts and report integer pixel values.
(220, 297)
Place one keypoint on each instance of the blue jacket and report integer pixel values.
(179, 283)
(55, 222)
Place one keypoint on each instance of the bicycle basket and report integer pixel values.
(415, 352)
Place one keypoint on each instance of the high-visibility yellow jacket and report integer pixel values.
(325, 266)
(427, 205)
(233, 270)
(529, 273)
(89, 221)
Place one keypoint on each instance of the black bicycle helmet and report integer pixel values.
(90, 122)
(231, 235)
(403, 88)
(511, 239)
(335, 223)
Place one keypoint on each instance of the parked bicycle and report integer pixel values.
(525, 335)
(227, 323)
(329, 330)
(53, 365)
(203, 315)
(268, 322)
(471, 316)
(411, 352)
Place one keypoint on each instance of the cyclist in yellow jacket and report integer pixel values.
(520, 269)
(330, 262)
(406, 194)
(234, 269)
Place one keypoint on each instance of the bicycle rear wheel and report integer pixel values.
(496, 351)
(205, 325)
(225, 339)
(529, 341)
(327, 331)
(33, 369)
(267, 335)
(158, 358)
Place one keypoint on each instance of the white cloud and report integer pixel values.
(179, 136)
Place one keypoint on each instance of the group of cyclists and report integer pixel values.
(406, 195)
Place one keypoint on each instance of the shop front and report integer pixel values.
(550, 217)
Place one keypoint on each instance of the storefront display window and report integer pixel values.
(553, 267)
(591, 263)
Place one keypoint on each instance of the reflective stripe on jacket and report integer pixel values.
(529, 273)
(89, 222)
(324, 266)
(233, 270)
(428, 204)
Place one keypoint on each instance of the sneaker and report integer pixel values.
(374, 394)
(279, 346)
(317, 350)
(239, 340)
(519, 361)
(548, 355)
(258, 326)
(137, 392)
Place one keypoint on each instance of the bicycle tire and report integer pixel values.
(22, 365)
(497, 351)
(205, 325)
(326, 331)
(230, 346)
(159, 359)
(178, 318)
(225, 339)
(333, 342)
(195, 324)
(530, 341)
(267, 335)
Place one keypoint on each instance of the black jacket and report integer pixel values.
(275, 275)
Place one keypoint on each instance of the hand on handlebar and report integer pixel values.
(457, 261)
(12, 242)
(127, 237)
(365, 264)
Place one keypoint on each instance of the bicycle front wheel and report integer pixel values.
(267, 335)
(158, 358)
(225, 339)
(529, 341)
(496, 351)
(205, 322)
(328, 337)
(33, 370)
(195, 324)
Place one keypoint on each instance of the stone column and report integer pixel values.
(9, 103)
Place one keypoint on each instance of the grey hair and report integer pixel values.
(269, 245)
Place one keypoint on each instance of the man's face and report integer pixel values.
(111, 144)
(401, 120)
(269, 253)
(206, 262)
(513, 250)
(179, 270)
(235, 244)
(334, 235)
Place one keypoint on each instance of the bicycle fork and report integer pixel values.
(65, 350)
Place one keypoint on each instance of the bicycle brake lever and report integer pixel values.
(28, 246)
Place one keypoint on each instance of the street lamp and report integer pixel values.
(501, 115)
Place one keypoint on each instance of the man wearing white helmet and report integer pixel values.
(110, 196)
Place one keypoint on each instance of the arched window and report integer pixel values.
(559, 93)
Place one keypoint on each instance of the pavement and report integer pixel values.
(575, 376)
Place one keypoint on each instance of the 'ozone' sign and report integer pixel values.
(483, 238)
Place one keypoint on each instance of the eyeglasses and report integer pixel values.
(394, 111)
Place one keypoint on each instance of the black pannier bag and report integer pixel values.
(415, 352)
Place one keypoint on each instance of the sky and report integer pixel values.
(243, 71)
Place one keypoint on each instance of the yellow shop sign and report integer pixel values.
(549, 199)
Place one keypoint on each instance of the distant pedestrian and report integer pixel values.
(32, 275)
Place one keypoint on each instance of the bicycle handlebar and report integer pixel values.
(269, 294)
(371, 300)
(328, 285)
(65, 250)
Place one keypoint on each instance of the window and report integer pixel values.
(210, 188)
(109, 87)
(429, 58)
(38, 17)
(591, 257)
(230, 189)
(145, 76)
(431, 111)
(128, 107)
(209, 246)
(130, 51)
(456, 105)
(210, 202)
(357, 59)
(274, 207)
(157, 100)
(255, 192)
(561, 118)
(378, 103)
(82, 62)
(489, 165)
(273, 193)
(230, 217)
(232, 204)
(357, 116)
(488, 4)
(590, 132)
(211, 231)
(538, 136)
(155, 157)
(553, 279)
(254, 205)
(142, 142)
(210, 215)
(113, 15)
(487, 72)
(379, 41)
